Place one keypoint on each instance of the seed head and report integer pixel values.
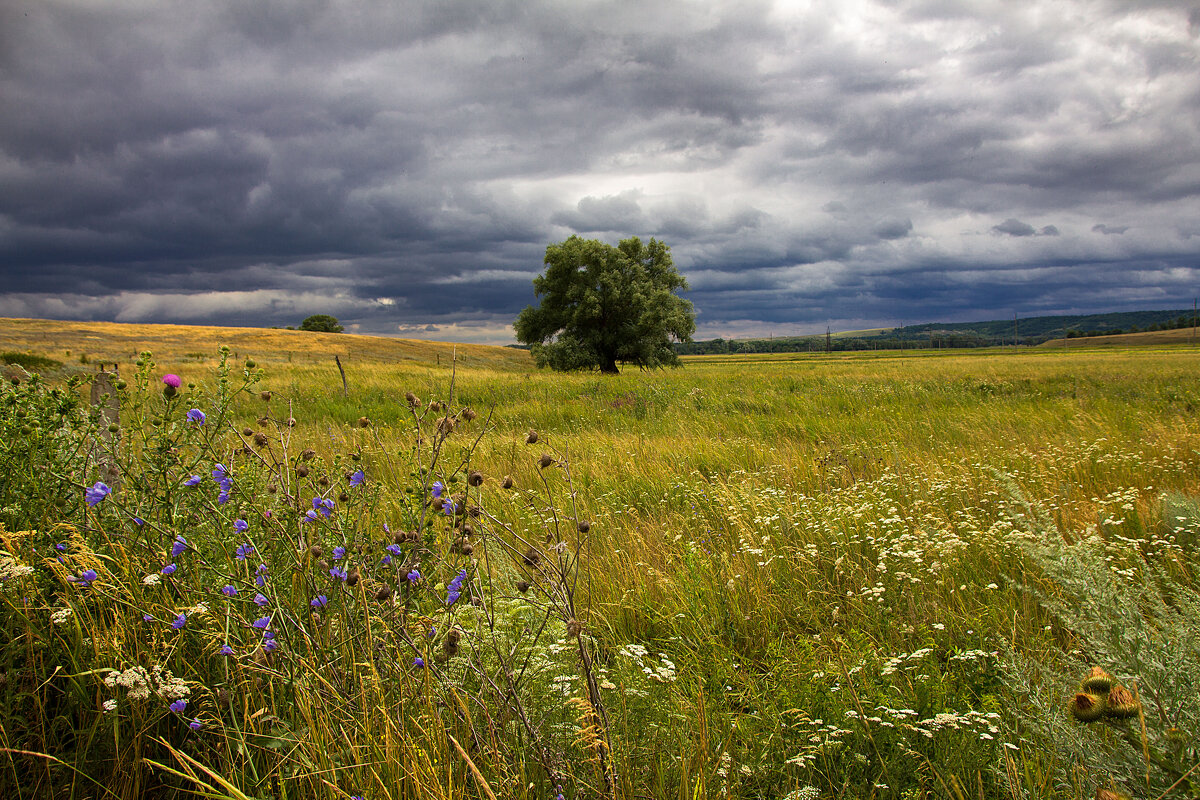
(522, 586)
(1122, 703)
(445, 425)
(272, 488)
(468, 414)
(316, 551)
(583, 526)
(266, 397)
(532, 557)
(291, 422)
(323, 480)
(1098, 680)
(383, 593)
(1087, 707)
(413, 400)
(475, 479)
(545, 461)
(531, 437)
(363, 422)
(260, 439)
(574, 628)
(247, 432)
(308, 454)
(353, 576)
(302, 471)
(507, 483)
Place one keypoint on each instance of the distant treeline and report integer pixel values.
(1022, 331)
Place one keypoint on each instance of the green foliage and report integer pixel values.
(602, 305)
(29, 360)
(321, 323)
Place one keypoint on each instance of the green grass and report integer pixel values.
(804, 573)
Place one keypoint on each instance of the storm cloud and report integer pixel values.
(404, 165)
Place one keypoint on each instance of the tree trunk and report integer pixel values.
(609, 367)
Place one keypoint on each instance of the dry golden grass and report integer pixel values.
(173, 344)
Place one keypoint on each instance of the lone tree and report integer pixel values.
(322, 323)
(603, 304)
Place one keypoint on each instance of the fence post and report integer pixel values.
(108, 405)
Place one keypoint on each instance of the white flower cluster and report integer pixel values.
(10, 570)
(61, 615)
(139, 684)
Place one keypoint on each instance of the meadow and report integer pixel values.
(875, 575)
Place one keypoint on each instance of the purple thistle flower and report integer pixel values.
(193, 481)
(96, 492)
(357, 479)
(320, 601)
(172, 380)
(169, 569)
(240, 525)
(195, 725)
(179, 621)
(436, 490)
(339, 553)
(178, 706)
(226, 650)
(219, 473)
(260, 601)
(229, 590)
(261, 622)
(196, 416)
(179, 546)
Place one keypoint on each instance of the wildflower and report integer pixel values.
(320, 601)
(226, 650)
(87, 576)
(178, 706)
(229, 590)
(339, 553)
(139, 521)
(310, 515)
(195, 725)
(193, 481)
(419, 662)
(261, 622)
(357, 479)
(110, 705)
(454, 590)
(169, 569)
(386, 560)
(172, 380)
(223, 495)
(242, 551)
(260, 601)
(448, 508)
(179, 546)
(240, 525)
(219, 473)
(260, 575)
(179, 621)
(413, 576)
(394, 549)
(196, 416)
(436, 490)
(147, 618)
(334, 572)
(270, 645)
(96, 492)
(61, 546)
(324, 506)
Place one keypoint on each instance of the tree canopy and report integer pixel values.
(322, 323)
(601, 305)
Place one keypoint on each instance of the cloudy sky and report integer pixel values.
(403, 165)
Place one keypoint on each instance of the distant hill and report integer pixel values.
(1028, 331)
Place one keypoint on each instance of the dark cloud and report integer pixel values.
(403, 165)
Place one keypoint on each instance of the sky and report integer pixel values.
(403, 165)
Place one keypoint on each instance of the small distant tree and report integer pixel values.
(321, 323)
(601, 305)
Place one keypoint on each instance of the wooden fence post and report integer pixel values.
(108, 403)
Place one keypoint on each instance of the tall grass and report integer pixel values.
(862, 576)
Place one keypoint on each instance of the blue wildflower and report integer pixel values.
(334, 572)
(419, 662)
(260, 601)
(147, 618)
(242, 551)
(196, 416)
(437, 489)
(324, 506)
(386, 560)
(320, 601)
(309, 515)
(219, 473)
(226, 650)
(139, 521)
(229, 590)
(240, 525)
(454, 590)
(61, 546)
(261, 622)
(339, 552)
(95, 493)
(178, 706)
(448, 508)
(169, 569)
(179, 621)
(179, 546)
(357, 478)
(394, 549)
(413, 576)
(193, 481)
(270, 645)
(195, 725)
(87, 576)
(223, 495)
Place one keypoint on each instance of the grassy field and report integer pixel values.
(847, 575)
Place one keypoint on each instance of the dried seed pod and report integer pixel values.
(260, 439)
(445, 425)
(531, 437)
(323, 565)
(399, 537)
(574, 628)
(1122, 703)
(438, 503)
(307, 454)
(475, 479)
(247, 432)
(507, 483)
(343, 497)
(532, 557)
(272, 488)
(522, 586)
(316, 551)
(468, 549)
(265, 396)
(302, 471)
(468, 414)
(291, 422)
(545, 461)
(353, 576)
(363, 422)
(1098, 681)
(383, 593)
(1087, 707)
(413, 400)
(583, 526)
(264, 422)
(323, 480)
